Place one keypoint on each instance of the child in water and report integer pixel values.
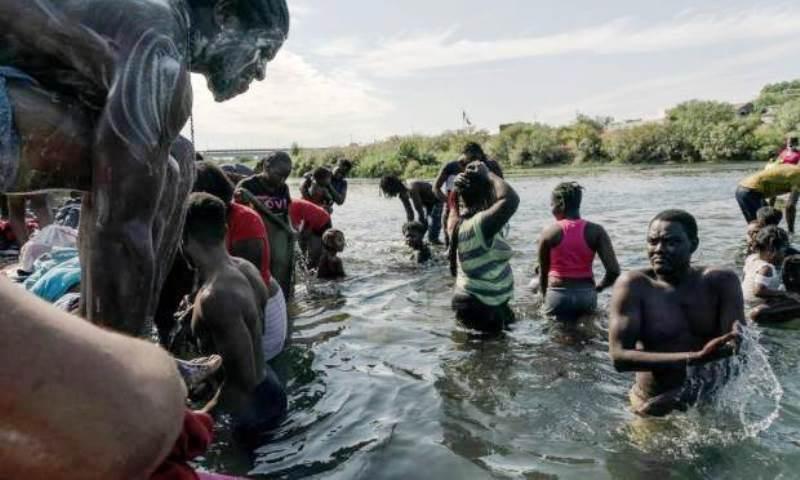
(765, 216)
(763, 287)
(330, 265)
(414, 233)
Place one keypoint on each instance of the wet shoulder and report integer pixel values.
(636, 279)
(717, 277)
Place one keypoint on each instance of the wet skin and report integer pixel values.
(113, 93)
(672, 315)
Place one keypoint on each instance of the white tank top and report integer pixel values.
(752, 278)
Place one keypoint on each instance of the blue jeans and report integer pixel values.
(570, 303)
(435, 222)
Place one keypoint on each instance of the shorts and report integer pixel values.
(749, 202)
(570, 303)
(474, 314)
(276, 323)
(267, 409)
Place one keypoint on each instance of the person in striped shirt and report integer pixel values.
(479, 255)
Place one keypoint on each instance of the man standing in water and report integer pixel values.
(228, 318)
(671, 317)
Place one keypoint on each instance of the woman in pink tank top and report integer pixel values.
(566, 253)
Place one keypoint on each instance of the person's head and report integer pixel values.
(333, 240)
(343, 168)
(474, 188)
(211, 179)
(322, 176)
(671, 241)
(232, 41)
(462, 160)
(473, 152)
(198, 157)
(392, 186)
(771, 243)
(414, 233)
(792, 141)
(769, 216)
(277, 168)
(205, 225)
(566, 200)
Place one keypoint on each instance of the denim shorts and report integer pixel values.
(570, 303)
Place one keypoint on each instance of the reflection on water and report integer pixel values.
(383, 384)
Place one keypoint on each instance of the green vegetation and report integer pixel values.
(692, 132)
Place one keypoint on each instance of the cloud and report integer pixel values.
(295, 99)
(717, 80)
(404, 55)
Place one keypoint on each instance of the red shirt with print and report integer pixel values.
(245, 224)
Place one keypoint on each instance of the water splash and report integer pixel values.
(743, 407)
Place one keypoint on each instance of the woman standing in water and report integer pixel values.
(479, 256)
(566, 252)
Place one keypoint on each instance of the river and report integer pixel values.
(384, 385)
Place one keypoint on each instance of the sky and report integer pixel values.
(363, 70)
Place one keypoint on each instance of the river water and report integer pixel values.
(384, 385)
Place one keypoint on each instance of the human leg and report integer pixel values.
(435, 223)
(749, 202)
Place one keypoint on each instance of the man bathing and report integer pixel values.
(672, 316)
(414, 233)
(425, 203)
(228, 319)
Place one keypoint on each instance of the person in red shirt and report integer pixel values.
(247, 235)
(790, 154)
(311, 221)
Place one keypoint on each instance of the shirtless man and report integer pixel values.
(100, 90)
(228, 318)
(425, 203)
(672, 316)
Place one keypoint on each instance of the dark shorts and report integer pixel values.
(267, 409)
(570, 303)
(474, 314)
(749, 201)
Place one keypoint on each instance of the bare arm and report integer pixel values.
(437, 186)
(506, 203)
(81, 395)
(305, 188)
(605, 250)
(544, 261)
(407, 205)
(251, 249)
(731, 301)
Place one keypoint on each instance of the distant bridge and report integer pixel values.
(230, 154)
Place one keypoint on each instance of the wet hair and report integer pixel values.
(275, 158)
(205, 219)
(569, 195)
(473, 149)
(683, 217)
(769, 216)
(345, 164)
(333, 239)
(771, 238)
(211, 179)
(391, 186)
(322, 173)
(475, 191)
(414, 227)
(262, 13)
